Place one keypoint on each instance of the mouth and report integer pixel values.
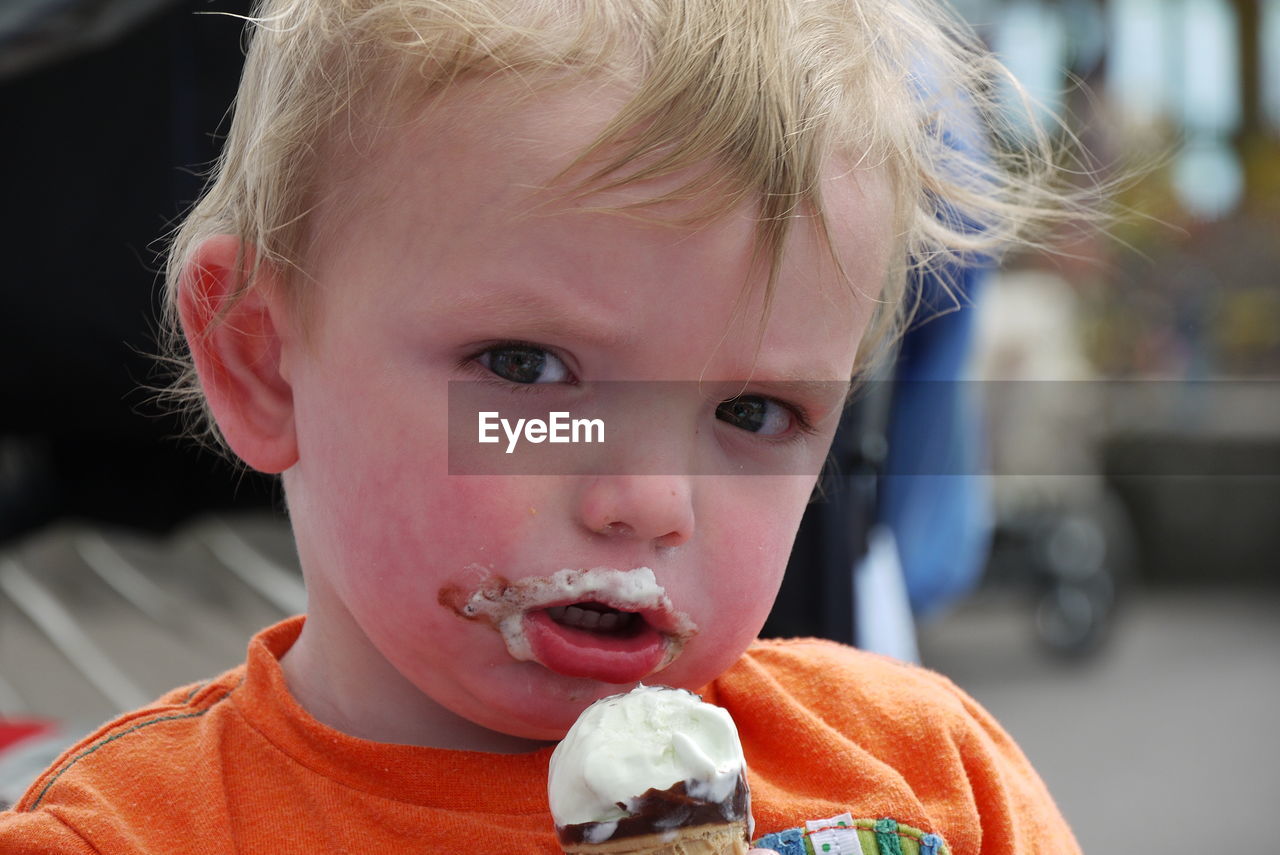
(595, 641)
(596, 618)
(601, 624)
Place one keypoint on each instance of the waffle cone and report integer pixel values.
(715, 839)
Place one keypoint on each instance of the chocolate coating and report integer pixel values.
(662, 810)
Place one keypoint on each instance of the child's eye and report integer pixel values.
(758, 415)
(524, 364)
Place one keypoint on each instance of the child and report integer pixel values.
(541, 196)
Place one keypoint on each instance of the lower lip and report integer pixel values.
(595, 656)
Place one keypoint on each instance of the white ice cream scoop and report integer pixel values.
(653, 761)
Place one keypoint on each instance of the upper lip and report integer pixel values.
(595, 585)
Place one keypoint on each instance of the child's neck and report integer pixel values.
(373, 700)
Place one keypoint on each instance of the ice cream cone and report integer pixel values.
(654, 771)
(717, 839)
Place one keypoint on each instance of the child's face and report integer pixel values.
(426, 274)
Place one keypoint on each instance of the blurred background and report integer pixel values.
(1099, 564)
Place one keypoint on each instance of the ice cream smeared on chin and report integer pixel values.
(653, 770)
(615, 626)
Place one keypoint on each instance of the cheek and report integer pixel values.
(747, 526)
(753, 535)
(397, 529)
(437, 528)
(401, 559)
(480, 519)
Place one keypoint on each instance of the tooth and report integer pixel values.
(608, 620)
(556, 612)
(573, 616)
(590, 619)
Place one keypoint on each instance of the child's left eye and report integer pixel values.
(524, 364)
(761, 416)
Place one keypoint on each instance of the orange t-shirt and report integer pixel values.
(235, 765)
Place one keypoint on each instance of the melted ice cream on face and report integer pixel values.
(504, 604)
(651, 739)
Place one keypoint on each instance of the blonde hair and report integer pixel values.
(768, 90)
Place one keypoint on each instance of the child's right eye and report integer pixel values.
(523, 363)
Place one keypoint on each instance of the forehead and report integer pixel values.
(494, 158)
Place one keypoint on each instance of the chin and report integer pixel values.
(539, 704)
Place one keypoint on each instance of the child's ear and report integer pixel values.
(238, 353)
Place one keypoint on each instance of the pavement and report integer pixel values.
(1167, 740)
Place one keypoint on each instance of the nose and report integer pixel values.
(657, 508)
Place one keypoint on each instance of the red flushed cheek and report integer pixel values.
(490, 512)
(405, 538)
(474, 530)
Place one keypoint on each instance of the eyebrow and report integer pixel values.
(536, 312)
(539, 313)
(835, 391)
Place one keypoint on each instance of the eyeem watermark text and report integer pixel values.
(558, 427)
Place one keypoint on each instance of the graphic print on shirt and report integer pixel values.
(844, 835)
